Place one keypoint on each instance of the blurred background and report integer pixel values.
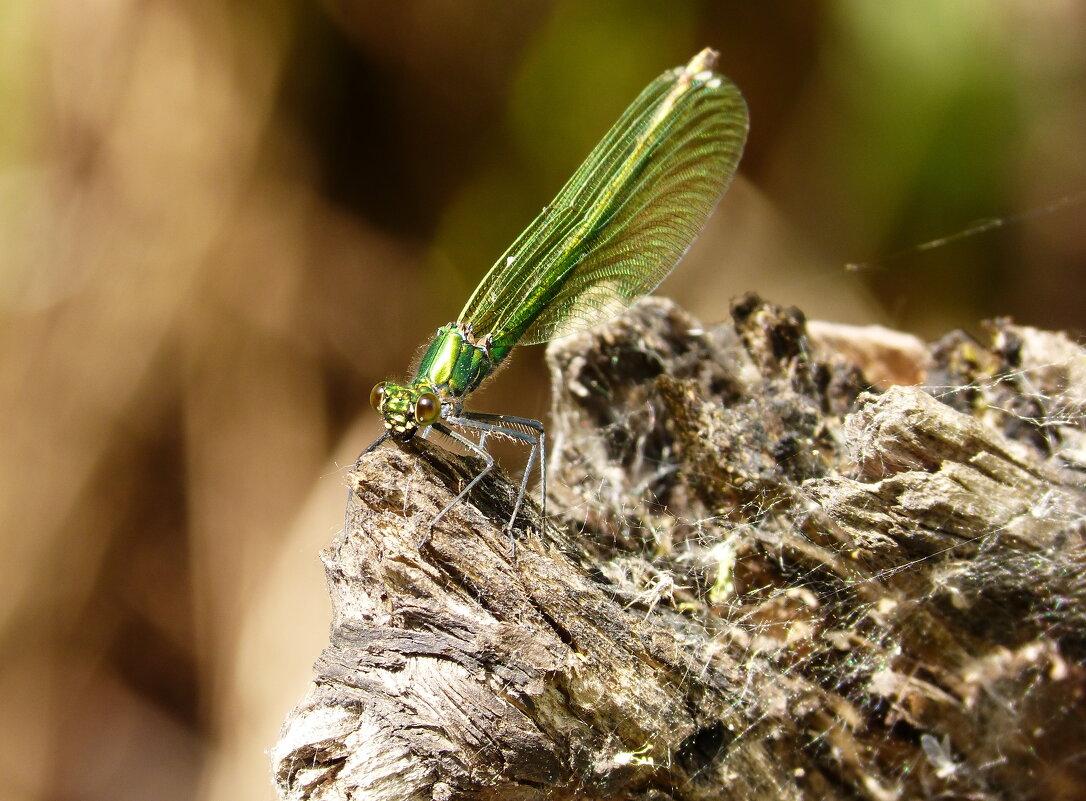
(222, 222)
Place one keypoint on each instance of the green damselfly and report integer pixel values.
(614, 232)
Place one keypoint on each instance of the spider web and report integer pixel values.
(899, 576)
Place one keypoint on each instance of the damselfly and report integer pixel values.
(614, 232)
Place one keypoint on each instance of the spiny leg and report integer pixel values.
(474, 448)
(357, 463)
(519, 428)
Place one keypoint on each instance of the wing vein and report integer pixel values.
(625, 218)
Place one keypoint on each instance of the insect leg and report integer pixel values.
(472, 447)
(520, 428)
(372, 446)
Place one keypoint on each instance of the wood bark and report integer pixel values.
(767, 571)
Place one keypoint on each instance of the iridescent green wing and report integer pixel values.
(625, 218)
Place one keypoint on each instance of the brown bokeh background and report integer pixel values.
(222, 222)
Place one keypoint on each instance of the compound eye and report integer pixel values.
(377, 396)
(427, 409)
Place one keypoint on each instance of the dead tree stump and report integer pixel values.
(761, 577)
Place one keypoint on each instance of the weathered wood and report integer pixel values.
(757, 580)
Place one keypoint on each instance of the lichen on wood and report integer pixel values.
(760, 577)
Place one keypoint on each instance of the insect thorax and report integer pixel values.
(456, 362)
